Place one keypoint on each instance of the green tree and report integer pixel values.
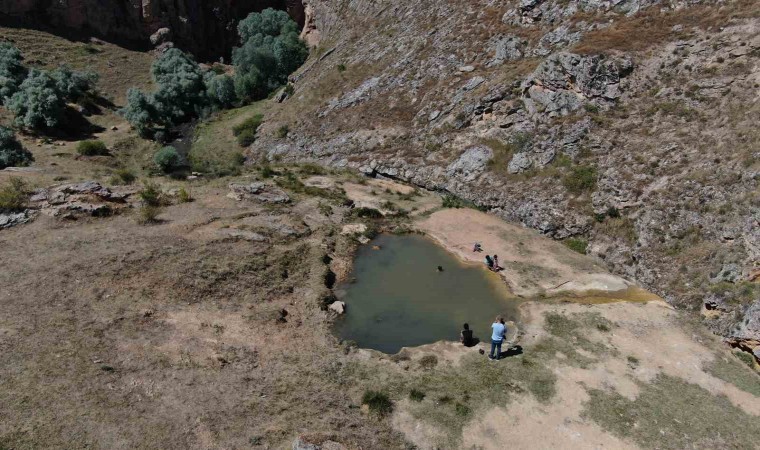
(221, 90)
(12, 153)
(71, 84)
(12, 71)
(38, 104)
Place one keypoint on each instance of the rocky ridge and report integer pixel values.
(624, 123)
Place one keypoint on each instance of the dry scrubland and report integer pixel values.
(206, 327)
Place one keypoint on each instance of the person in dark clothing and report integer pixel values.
(489, 262)
(465, 337)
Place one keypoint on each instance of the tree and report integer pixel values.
(221, 90)
(73, 85)
(181, 94)
(38, 103)
(12, 71)
(12, 153)
(270, 51)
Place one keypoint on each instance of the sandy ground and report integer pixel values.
(534, 265)
(376, 192)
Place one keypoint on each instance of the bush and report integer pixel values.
(184, 196)
(378, 402)
(246, 131)
(13, 196)
(12, 71)
(370, 213)
(92, 148)
(581, 179)
(151, 195)
(167, 159)
(148, 214)
(12, 153)
(124, 176)
(578, 245)
(73, 85)
(283, 131)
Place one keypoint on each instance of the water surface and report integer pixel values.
(398, 298)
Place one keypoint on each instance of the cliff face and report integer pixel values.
(204, 27)
(622, 123)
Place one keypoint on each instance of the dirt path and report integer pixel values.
(534, 265)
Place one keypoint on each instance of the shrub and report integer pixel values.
(12, 71)
(370, 213)
(184, 196)
(341, 67)
(92, 148)
(581, 179)
(148, 214)
(151, 194)
(428, 361)
(12, 153)
(124, 176)
(577, 245)
(13, 195)
(167, 159)
(378, 402)
(283, 131)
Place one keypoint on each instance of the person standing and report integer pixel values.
(497, 337)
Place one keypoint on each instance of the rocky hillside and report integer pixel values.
(207, 28)
(629, 126)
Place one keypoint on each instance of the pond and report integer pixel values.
(397, 297)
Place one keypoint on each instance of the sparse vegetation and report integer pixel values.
(151, 194)
(428, 362)
(92, 148)
(670, 413)
(148, 214)
(282, 132)
(184, 196)
(733, 371)
(14, 195)
(124, 176)
(416, 395)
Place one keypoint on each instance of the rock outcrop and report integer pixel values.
(207, 28)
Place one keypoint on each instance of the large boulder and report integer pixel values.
(564, 82)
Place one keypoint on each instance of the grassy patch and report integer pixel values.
(378, 402)
(570, 333)
(292, 183)
(416, 395)
(245, 131)
(670, 413)
(577, 245)
(621, 227)
(215, 151)
(580, 179)
(733, 371)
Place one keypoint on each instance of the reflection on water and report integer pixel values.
(398, 298)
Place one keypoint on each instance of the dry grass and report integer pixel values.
(652, 27)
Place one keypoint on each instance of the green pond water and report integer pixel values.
(398, 298)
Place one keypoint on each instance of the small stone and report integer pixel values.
(466, 69)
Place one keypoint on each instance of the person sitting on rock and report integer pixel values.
(477, 247)
(465, 337)
(489, 262)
